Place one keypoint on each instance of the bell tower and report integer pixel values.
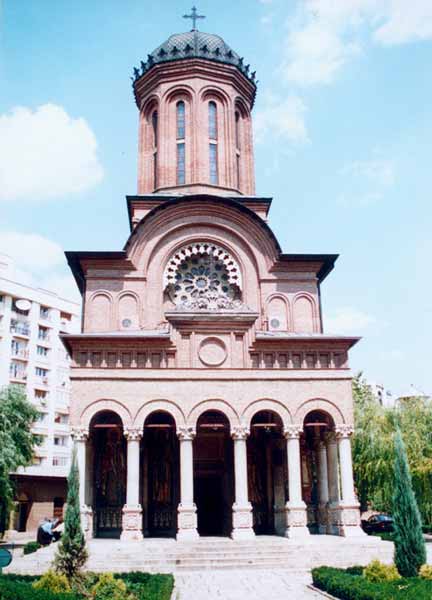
(195, 96)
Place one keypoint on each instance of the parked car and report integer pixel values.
(378, 524)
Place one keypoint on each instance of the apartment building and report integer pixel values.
(33, 356)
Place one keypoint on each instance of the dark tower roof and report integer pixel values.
(194, 44)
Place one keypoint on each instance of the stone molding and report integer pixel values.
(186, 433)
(344, 431)
(79, 434)
(241, 432)
(293, 432)
(133, 435)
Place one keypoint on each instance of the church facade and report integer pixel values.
(206, 397)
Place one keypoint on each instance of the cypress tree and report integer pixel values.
(71, 553)
(410, 549)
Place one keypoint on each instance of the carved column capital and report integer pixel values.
(241, 432)
(330, 437)
(133, 435)
(186, 433)
(344, 431)
(79, 434)
(293, 432)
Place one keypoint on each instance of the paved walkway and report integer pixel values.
(275, 584)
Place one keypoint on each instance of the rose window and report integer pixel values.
(203, 276)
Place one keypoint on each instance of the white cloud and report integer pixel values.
(366, 182)
(325, 34)
(46, 154)
(348, 321)
(38, 262)
(281, 118)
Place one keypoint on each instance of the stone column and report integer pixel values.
(333, 483)
(187, 517)
(132, 511)
(349, 513)
(80, 437)
(242, 508)
(323, 487)
(296, 516)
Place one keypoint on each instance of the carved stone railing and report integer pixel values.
(299, 360)
(124, 359)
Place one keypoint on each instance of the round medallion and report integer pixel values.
(212, 352)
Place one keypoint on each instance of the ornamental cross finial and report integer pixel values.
(194, 16)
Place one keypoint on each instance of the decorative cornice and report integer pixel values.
(133, 435)
(79, 434)
(344, 431)
(186, 433)
(240, 433)
(293, 431)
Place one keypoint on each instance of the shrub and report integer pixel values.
(377, 572)
(31, 547)
(426, 571)
(52, 582)
(108, 588)
(19, 590)
(342, 585)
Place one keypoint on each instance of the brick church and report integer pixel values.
(206, 398)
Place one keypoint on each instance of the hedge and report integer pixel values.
(144, 586)
(349, 584)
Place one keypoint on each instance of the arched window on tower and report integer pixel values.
(238, 147)
(181, 151)
(213, 152)
(154, 120)
(181, 146)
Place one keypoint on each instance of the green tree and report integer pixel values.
(410, 549)
(71, 553)
(17, 443)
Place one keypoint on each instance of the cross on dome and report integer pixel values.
(194, 16)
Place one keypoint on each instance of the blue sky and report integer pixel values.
(343, 124)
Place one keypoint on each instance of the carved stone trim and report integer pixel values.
(186, 433)
(133, 435)
(293, 431)
(241, 432)
(344, 431)
(79, 434)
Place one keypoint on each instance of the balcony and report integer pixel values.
(20, 354)
(20, 329)
(17, 375)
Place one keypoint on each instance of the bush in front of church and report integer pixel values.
(108, 588)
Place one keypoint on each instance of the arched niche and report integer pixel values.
(128, 311)
(304, 314)
(99, 312)
(277, 314)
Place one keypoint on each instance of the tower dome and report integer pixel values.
(194, 44)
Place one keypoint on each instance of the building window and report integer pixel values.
(43, 333)
(44, 312)
(181, 120)
(181, 178)
(213, 164)
(41, 351)
(237, 140)
(154, 120)
(62, 419)
(41, 372)
(212, 121)
(60, 440)
(40, 394)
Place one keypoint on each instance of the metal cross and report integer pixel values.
(194, 16)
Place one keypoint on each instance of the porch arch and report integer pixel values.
(320, 404)
(220, 405)
(266, 404)
(152, 406)
(106, 404)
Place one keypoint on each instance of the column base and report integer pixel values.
(296, 520)
(345, 520)
(132, 523)
(242, 522)
(187, 523)
(87, 521)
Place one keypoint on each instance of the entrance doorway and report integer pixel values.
(109, 473)
(267, 473)
(160, 475)
(213, 474)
